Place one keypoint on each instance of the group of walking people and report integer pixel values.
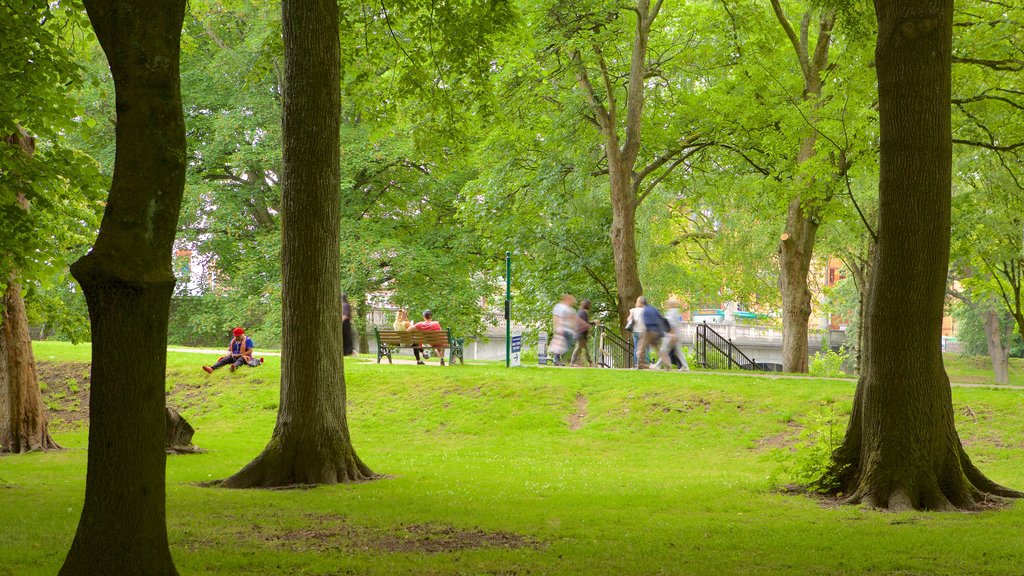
(661, 333)
(571, 331)
(651, 331)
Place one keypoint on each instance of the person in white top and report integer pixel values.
(635, 324)
(564, 321)
(671, 344)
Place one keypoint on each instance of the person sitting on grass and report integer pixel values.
(427, 325)
(239, 352)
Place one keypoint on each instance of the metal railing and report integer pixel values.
(612, 350)
(716, 352)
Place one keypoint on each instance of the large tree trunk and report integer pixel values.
(901, 449)
(22, 419)
(127, 280)
(310, 443)
(623, 236)
(998, 350)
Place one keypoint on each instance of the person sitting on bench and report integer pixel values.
(427, 325)
(239, 352)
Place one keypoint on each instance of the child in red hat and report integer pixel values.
(239, 352)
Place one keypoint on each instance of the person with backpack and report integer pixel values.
(655, 327)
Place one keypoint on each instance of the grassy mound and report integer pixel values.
(524, 471)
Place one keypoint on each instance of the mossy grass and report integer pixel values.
(593, 471)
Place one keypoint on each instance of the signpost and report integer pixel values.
(542, 348)
(517, 349)
(508, 312)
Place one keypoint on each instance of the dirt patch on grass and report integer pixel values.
(332, 532)
(65, 389)
(576, 419)
(785, 439)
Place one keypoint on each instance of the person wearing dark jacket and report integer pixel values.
(655, 326)
(348, 335)
(582, 335)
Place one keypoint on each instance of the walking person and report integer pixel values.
(563, 319)
(635, 324)
(583, 325)
(347, 334)
(671, 344)
(654, 326)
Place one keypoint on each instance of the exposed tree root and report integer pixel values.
(286, 464)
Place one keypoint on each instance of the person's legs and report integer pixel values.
(220, 363)
(581, 344)
(646, 340)
(586, 351)
(684, 366)
(636, 348)
(416, 352)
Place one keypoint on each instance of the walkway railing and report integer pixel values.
(612, 350)
(717, 352)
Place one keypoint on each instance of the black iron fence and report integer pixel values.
(716, 352)
(611, 350)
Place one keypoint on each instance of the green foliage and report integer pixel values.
(827, 363)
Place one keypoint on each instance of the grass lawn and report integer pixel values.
(978, 369)
(524, 471)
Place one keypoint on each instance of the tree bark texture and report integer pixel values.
(127, 280)
(795, 252)
(22, 418)
(796, 247)
(901, 449)
(623, 236)
(310, 443)
(998, 349)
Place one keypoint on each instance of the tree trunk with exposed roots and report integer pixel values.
(901, 449)
(310, 443)
(22, 418)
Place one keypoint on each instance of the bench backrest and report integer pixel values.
(438, 338)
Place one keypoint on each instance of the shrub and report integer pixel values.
(809, 460)
(829, 364)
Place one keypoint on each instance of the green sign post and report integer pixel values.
(508, 308)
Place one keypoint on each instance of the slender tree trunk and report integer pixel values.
(901, 449)
(127, 279)
(310, 443)
(795, 251)
(22, 419)
(998, 352)
(359, 324)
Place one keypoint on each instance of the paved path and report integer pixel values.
(371, 359)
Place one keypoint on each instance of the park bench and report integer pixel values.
(390, 340)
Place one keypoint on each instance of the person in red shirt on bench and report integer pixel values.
(427, 325)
